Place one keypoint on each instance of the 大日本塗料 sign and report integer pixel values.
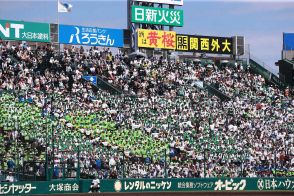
(161, 16)
(92, 36)
(156, 39)
(171, 2)
(204, 44)
(24, 31)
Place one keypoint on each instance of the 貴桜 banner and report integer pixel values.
(24, 31)
(170, 2)
(91, 36)
(156, 39)
(161, 16)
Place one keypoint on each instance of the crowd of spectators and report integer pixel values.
(161, 126)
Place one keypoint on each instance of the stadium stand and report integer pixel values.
(159, 125)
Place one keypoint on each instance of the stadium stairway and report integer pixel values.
(258, 68)
(216, 92)
(211, 90)
(286, 64)
(104, 85)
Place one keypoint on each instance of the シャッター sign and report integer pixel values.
(204, 44)
(24, 31)
(156, 39)
(91, 36)
(160, 16)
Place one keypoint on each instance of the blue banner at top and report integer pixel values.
(91, 36)
(288, 41)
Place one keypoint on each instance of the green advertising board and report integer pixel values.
(160, 16)
(198, 184)
(24, 31)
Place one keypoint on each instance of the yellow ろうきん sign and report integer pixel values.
(156, 39)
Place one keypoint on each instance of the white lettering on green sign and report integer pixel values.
(273, 184)
(142, 185)
(161, 16)
(16, 189)
(61, 187)
(25, 31)
(229, 185)
(6, 31)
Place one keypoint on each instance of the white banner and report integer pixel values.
(171, 2)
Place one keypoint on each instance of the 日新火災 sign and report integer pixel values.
(160, 16)
(204, 44)
(156, 39)
(91, 36)
(24, 31)
(170, 2)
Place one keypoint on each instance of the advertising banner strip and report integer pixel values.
(204, 44)
(24, 31)
(170, 2)
(198, 184)
(91, 36)
(160, 16)
(156, 39)
(148, 185)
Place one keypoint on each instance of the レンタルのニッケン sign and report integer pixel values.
(24, 31)
(91, 36)
(160, 16)
(204, 44)
(156, 39)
